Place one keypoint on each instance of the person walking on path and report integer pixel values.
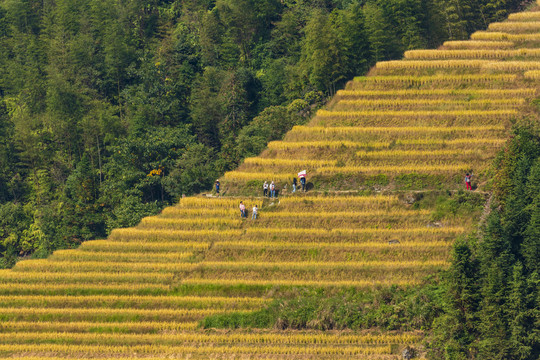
(265, 189)
(273, 190)
(303, 182)
(217, 187)
(294, 183)
(243, 210)
(468, 181)
(254, 214)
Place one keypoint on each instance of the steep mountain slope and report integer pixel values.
(419, 123)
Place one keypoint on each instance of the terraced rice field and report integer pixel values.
(141, 292)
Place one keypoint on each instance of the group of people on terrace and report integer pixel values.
(269, 190)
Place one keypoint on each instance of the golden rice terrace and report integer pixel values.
(419, 123)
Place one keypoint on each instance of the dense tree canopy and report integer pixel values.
(110, 110)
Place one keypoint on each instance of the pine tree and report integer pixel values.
(520, 302)
(381, 35)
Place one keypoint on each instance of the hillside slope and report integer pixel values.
(416, 124)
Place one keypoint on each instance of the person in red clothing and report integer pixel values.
(468, 181)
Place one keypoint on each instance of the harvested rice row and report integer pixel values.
(174, 211)
(100, 246)
(512, 66)
(418, 168)
(399, 130)
(487, 93)
(286, 145)
(532, 75)
(469, 44)
(499, 114)
(442, 118)
(136, 257)
(215, 203)
(104, 315)
(73, 272)
(259, 161)
(83, 289)
(412, 103)
(222, 339)
(488, 35)
(397, 275)
(477, 153)
(132, 234)
(515, 26)
(346, 214)
(159, 223)
(470, 54)
(141, 327)
(314, 253)
(434, 79)
(365, 231)
(388, 165)
(222, 356)
(314, 265)
(194, 349)
(525, 16)
(130, 301)
(328, 200)
(432, 64)
(303, 283)
(115, 270)
(345, 246)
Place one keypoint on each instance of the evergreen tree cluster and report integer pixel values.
(110, 110)
(494, 284)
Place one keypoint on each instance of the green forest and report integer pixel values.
(111, 110)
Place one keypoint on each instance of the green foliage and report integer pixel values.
(318, 309)
(462, 204)
(193, 172)
(14, 220)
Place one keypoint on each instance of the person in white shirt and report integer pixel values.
(273, 189)
(265, 189)
(254, 214)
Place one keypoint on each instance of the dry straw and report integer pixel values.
(486, 35)
(501, 113)
(195, 349)
(441, 78)
(471, 44)
(470, 54)
(515, 27)
(432, 64)
(428, 93)
(259, 338)
(83, 326)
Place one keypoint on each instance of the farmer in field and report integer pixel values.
(254, 214)
(217, 187)
(243, 210)
(273, 189)
(265, 189)
(302, 175)
(468, 179)
(294, 183)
